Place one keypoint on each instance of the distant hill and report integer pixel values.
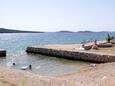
(65, 31)
(85, 32)
(3, 30)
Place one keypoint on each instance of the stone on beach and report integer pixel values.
(95, 47)
(93, 65)
(105, 45)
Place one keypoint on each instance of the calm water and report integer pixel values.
(16, 44)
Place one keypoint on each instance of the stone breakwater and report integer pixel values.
(2, 52)
(75, 55)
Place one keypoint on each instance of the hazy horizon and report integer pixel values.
(58, 15)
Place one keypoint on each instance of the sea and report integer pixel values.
(16, 44)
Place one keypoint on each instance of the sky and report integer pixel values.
(56, 15)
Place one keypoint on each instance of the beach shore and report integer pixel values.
(102, 75)
(13, 77)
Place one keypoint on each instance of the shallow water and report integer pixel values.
(16, 44)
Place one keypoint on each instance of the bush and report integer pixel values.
(109, 38)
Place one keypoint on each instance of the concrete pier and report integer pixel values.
(70, 52)
(2, 52)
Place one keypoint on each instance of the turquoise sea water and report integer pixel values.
(16, 44)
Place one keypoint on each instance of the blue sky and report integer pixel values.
(55, 15)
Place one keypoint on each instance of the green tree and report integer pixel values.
(109, 38)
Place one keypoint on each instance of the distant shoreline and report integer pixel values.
(4, 30)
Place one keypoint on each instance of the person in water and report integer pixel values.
(30, 66)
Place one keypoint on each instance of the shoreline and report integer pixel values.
(14, 77)
(102, 75)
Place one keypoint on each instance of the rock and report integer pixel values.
(93, 65)
(87, 47)
(105, 45)
(95, 47)
(113, 41)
